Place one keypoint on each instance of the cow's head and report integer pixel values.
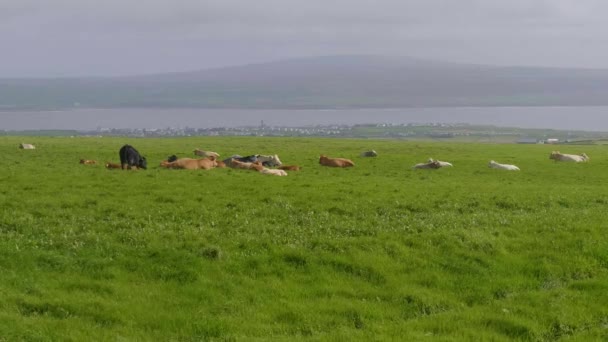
(143, 163)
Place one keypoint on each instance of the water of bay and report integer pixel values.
(563, 118)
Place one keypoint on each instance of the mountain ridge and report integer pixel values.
(354, 81)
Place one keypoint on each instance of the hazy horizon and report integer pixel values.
(72, 38)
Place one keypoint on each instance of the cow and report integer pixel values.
(271, 160)
(110, 165)
(190, 164)
(335, 162)
(88, 162)
(441, 163)
(256, 166)
(27, 146)
(431, 164)
(172, 158)
(201, 153)
(494, 165)
(289, 167)
(274, 172)
(577, 158)
(130, 158)
(370, 153)
(248, 159)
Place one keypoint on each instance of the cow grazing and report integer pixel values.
(274, 172)
(335, 162)
(88, 162)
(371, 153)
(431, 164)
(130, 158)
(289, 167)
(271, 160)
(201, 153)
(576, 158)
(27, 146)
(494, 165)
(190, 164)
(110, 165)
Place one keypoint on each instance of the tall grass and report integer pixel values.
(375, 252)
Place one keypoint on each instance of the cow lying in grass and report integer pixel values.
(247, 159)
(441, 163)
(88, 162)
(494, 165)
(335, 162)
(370, 153)
(289, 167)
(190, 164)
(274, 172)
(431, 164)
(577, 158)
(256, 166)
(110, 165)
(271, 160)
(201, 153)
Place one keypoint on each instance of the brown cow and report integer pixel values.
(88, 162)
(191, 164)
(113, 165)
(255, 166)
(289, 168)
(335, 162)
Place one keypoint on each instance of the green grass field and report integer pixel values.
(372, 253)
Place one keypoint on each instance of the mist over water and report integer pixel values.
(563, 118)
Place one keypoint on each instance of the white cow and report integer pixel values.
(27, 146)
(274, 172)
(441, 163)
(206, 154)
(577, 158)
(431, 164)
(495, 165)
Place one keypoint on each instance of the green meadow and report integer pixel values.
(371, 253)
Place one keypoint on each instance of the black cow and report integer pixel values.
(129, 157)
(248, 159)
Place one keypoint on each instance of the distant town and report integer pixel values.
(410, 131)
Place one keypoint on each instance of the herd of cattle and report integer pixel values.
(130, 158)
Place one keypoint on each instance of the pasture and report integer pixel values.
(377, 251)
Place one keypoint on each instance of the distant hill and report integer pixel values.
(321, 82)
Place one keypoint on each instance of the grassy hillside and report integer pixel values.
(376, 252)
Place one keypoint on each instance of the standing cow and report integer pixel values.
(129, 157)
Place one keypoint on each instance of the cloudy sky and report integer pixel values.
(50, 38)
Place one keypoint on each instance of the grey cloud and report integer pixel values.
(114, 37)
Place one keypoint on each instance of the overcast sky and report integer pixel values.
(49, 38)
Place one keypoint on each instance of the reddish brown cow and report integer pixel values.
(335, 162)
(113, 165)
(191, 164)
